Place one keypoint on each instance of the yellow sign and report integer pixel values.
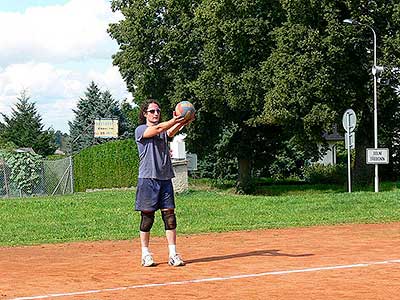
(106, 128)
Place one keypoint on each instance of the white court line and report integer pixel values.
(210, 279)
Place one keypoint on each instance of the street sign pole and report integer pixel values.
(349, 123)
(349, 162)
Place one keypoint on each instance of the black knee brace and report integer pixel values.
(146, 222)
(169, 219)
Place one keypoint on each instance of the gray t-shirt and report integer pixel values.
(155, 161)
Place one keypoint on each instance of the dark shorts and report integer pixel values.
(153, 194)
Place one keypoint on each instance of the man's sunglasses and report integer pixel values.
(154, 110)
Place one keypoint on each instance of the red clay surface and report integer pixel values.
(265, 264)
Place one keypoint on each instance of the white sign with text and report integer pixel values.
(377, 156)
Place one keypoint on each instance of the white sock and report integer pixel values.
(145, 251)
(172, 250)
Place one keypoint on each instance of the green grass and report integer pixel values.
(303, 189)
(109, 215)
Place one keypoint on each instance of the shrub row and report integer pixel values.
(320, 174)
(109, 165)
(115, 164)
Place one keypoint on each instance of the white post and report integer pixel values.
(71, 172)
(349, 157)
(374, 73)
(349, 124)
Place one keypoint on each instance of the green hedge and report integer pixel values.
(321, 174)
(110, 165)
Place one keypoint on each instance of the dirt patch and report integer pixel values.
(332, 262)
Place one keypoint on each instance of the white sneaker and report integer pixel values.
(147, 261)
(176, 261)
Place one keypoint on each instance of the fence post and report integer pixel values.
(71, 164)
(5, 180)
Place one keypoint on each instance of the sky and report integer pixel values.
(52, 50)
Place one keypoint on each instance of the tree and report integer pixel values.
(96, 104)
(62, 140)
(159, 52)
(159, 58)
(24, 128)
(131, 116)
(280, 73)
(81, 129)
(320, 68)
(6, 145)
(236, 40)
(109, 108)
(208, 52)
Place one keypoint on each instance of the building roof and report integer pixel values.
(334, 136)
(25, 150)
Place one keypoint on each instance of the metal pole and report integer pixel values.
(374, 71)
(71, 172)
(5, 179)
(349, 160)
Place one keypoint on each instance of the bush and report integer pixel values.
(24, 170)
(319, 173)
(109, 165)
(218, 168)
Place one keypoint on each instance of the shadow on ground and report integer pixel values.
(246, 254)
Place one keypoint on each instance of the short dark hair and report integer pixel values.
(143, 110)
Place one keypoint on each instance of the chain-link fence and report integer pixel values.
(50, 177)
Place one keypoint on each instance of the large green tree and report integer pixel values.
(321, 67)
(208, 52)
(236, 39)
(264, 75)
(158, 54)
(159, 57)
(24, 128)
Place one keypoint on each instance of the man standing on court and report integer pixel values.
(154, 188)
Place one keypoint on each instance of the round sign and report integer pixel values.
(349, 120)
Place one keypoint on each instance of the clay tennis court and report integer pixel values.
(332, 262)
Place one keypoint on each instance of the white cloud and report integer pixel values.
(43, 78)
(55, 91)
(74, 31)
(43, 82)
(54, 52)
(58, 112)
(111, 80)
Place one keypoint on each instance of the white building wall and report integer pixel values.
(330, 156)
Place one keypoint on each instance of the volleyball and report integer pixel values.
(185, 109)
